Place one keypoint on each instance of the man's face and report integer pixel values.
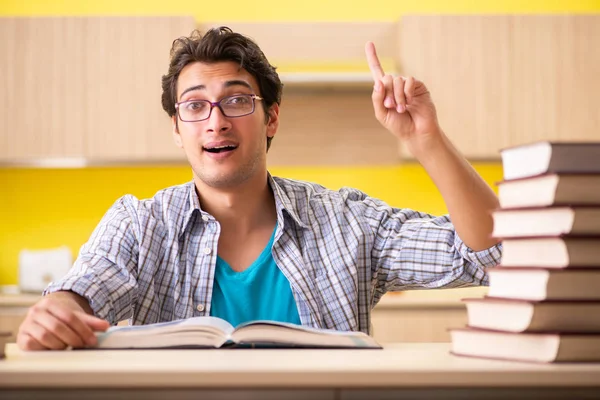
(223, 151)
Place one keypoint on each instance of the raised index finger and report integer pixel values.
(373, 61)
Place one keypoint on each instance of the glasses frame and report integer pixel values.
(214, 104)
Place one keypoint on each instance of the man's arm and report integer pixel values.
(97, 291)
(404, 107)
(72, 301)
(468, 197)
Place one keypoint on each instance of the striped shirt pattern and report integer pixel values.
(153, 260)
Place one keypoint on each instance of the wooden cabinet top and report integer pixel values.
(19, 300)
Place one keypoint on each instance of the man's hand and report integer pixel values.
(57, 322)
(402, 105)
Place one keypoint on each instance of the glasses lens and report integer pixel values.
(194, 110)
(236, 106)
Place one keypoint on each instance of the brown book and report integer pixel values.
(550, 221)
(550, 157)
(544, 284)
(552, 252)
(550, 190)
(512, 315)
(530, 347)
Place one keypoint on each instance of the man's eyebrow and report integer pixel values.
(228, 84)
(237, 82)
(197, 87)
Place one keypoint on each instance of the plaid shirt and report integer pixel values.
(154, 260)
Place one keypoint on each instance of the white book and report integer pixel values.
(550, 221)
(550, 157)
(514, 315)
(550, 190)
(529, 347)
(552, 252)
(544, 284)
(212, 332)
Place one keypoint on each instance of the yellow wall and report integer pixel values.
(50, 207)
(291, 10)
(43, 208)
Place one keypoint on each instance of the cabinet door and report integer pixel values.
(416, 324)
(86, 87)
(125, 60)
(555, 73)
(331, 128)
(43, 91)
(499, 81)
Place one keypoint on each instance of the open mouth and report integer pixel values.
(220, 149)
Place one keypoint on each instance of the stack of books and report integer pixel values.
(543, 303)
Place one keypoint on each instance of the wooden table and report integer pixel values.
(414, 371)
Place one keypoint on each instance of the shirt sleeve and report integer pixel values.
(105, 270)
(414, 250)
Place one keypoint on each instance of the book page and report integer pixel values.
(296, 327)
(186, 332)
(212, 324)
(280, 334)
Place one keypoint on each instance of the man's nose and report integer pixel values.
(217, 122)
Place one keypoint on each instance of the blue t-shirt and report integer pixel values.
(259, 292)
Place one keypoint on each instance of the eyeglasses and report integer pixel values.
(231, 106)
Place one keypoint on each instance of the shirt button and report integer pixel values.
(207, 250)
(205, 218)
(200, 307)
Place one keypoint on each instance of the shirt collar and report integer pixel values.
(282, 203)
(193, 207)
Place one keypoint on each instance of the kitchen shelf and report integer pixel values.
(327, 80)
(76, 162)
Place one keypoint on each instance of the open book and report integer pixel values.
(212, 332)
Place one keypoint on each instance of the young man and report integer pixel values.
(240, 244)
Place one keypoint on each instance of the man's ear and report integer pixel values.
(176, 135)
(273, 122)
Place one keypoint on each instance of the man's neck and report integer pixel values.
(243, 208)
